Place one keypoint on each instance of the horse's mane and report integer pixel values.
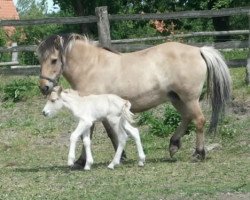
(47, 46)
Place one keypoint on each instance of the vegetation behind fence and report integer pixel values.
(103, 20)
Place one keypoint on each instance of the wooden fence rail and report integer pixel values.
(138, 17)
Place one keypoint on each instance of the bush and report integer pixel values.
(19, 90)
(165, 125)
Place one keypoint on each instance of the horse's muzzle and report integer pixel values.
(45, 90)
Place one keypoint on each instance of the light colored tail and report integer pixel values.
(219, 83)
(126, 113)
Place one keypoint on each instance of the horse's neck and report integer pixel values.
(79, 60)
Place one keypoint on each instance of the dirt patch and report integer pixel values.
(234, 196)
(240, 107)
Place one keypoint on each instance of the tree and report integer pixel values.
(30, 9)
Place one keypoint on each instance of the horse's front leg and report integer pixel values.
(73, 140)
(113, 137)
(81, 161)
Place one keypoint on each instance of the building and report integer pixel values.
(8, 11)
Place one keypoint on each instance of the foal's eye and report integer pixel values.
(53, 61)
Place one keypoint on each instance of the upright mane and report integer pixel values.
(48, 46)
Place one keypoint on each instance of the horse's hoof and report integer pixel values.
(174, 146)
(123, 157)
(79, 164)
(199, 155)
(173, 150)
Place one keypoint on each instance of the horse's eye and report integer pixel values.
(53, 61)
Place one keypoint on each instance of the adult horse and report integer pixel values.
(170, 71)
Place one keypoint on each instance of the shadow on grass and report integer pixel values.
(66, 169)
(63, 168)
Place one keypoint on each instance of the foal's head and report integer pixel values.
(54, 103)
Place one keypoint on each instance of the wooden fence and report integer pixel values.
(102, 18)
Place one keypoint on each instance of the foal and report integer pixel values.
(90, 109)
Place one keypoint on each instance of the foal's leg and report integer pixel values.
(136, 136)
(122, 139)
(113, 137)
(73, 140)
(87, 145)
(80, 163)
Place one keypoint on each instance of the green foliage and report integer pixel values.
(226, 129)
(165, 125)
(3, 37)
(19, 90)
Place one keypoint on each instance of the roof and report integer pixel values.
(8, 10)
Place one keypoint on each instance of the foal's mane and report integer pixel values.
(47, 46)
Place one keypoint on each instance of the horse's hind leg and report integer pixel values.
(175, 140)
(189, 111)
(199, 121)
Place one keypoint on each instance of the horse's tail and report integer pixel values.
(126, 113)
(219, 83)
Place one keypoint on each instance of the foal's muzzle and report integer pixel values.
(45, 113)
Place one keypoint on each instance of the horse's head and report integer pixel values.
(50, 53)
(54, 102)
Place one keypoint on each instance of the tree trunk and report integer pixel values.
(79, 10)
(221, 24)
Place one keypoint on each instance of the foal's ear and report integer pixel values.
(58, 89)
(58, 42)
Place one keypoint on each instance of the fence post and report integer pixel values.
(103, 26)
(248, 59)
(14, 55)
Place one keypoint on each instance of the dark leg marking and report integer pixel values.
(174, 146)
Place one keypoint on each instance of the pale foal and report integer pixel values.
(90, 109)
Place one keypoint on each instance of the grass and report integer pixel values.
(33, 157)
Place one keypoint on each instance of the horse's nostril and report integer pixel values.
(45, 89)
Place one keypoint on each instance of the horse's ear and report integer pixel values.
(58, 42)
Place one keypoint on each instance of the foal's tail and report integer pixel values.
(126, 113)
(219, 83)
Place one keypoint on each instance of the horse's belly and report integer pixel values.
(145, 102)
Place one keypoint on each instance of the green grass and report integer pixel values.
(33, 157)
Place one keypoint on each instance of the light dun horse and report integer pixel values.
(90, 109)
(170, 71)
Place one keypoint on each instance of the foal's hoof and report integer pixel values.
(199, 155)
(174, 146)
